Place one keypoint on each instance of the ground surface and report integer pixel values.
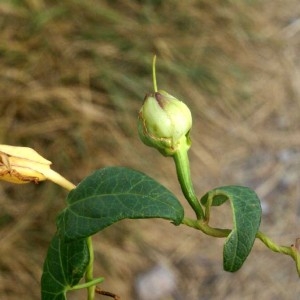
(73, 76)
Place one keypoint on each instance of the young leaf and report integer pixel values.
(64, 266)
(112, 194)
(246, 210)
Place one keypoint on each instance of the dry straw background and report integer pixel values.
(73, 76)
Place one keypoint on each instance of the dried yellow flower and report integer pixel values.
(23, 165)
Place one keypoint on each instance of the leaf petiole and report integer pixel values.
(88, 284)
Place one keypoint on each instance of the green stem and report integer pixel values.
(182, 163)
(273, 246)
(90, 282)
(291, 251)
(205, 228)
(89, 270)
(221, 233)
(296, 256)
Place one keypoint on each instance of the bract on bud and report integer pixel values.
(24, 165)
(164, 122)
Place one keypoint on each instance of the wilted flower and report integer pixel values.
(24, 165)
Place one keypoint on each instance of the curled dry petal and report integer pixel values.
(23, 165)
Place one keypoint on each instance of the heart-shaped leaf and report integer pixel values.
(246, 210)
(112, 194)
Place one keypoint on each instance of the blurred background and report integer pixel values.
(73, 77)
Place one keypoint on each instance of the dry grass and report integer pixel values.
(73, 75)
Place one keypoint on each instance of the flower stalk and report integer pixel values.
(182, 164)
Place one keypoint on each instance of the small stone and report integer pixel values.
(156, 284)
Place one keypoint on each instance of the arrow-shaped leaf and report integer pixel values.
(112, 194)
(246, 210)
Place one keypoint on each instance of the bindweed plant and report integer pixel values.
(112, 194)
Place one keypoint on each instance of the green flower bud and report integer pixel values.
(164, 122)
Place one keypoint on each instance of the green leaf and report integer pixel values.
(246, 210)
(64, 266)
(112, 194)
